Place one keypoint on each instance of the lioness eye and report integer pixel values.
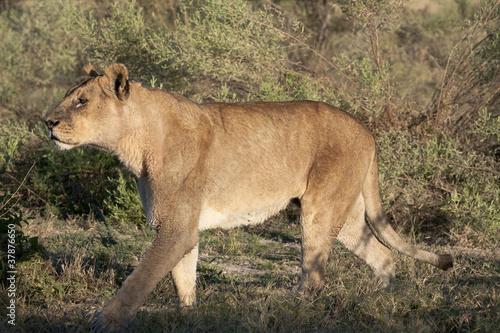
(81, 101)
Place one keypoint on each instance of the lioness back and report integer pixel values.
(268, 149)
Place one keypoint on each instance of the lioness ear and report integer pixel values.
(117, 75)
(90, 70)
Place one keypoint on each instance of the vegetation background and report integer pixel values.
(424, 76)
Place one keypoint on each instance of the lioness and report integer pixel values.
(226, 165)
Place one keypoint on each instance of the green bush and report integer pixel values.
(232, 51)
(123, 202)
(15, 246)
(80, 181)
(437, 184)
(223, 50)
(35, 58)
(86, 181)
(470, 81)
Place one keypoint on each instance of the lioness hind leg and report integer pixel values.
(316, 246)
(319, 230)
(326, 204)
(184, 276)
(356, 236)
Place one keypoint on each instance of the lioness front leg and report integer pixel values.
(169, 247)
(184, 276)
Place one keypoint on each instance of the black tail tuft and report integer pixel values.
(445, 261)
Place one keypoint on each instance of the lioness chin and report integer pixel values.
(225, 165)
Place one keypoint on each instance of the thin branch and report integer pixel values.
(17, 190)
(464, 55)
(308, 48)
(476, 168)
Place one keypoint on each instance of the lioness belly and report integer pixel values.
(211, 218)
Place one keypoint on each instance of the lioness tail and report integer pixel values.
(384, 231)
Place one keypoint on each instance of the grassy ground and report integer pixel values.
(247, 280)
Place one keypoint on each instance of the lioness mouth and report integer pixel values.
(57, 140)
(53, 137)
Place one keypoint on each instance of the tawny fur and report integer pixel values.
(225, 165)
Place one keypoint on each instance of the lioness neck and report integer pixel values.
(155, 120)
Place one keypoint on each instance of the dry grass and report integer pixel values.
(247, 281)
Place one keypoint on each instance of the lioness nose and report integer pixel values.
(51, 124)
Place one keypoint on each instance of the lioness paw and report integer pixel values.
(112, 317)
(105, 324)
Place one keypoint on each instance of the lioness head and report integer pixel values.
(92, 112)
